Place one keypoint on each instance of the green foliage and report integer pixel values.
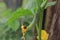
(14, 25)
(44, 4)
(50, 4)
(18, 13)
(10, 20)
(15, 15)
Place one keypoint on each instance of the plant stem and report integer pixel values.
(32, 23)
(40, 23)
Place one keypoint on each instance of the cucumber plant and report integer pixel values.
(33, 8)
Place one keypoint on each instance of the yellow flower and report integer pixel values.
(44, 35)
(23, 29)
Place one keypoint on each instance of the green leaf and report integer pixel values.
(18, 13)
(39, 2)
(44, 4)
(50, 4)
(14, 25)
